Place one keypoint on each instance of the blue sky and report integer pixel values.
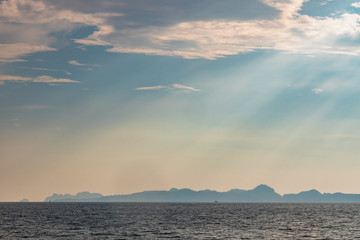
(124, 96)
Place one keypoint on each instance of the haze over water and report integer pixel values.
(118, 97)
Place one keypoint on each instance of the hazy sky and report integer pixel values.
(119, 96)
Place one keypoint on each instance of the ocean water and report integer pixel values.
(179, 221)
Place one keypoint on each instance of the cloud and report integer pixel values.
(290, 31)
(171, 87)
(5, 60)
(39, 79)
(27, 26)
(10, 52)
(317, 90)
(325, 2)
(151, 88)
(356, 4)
(50, 70)
(140, 13)
(38, 12)
(188, 30)
(76, 63)
(180, 86)
(73, 62)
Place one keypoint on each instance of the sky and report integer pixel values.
(121, 96)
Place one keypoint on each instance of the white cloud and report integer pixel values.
(76, 63)
(11, 52)
(356, 4)
(38, 12)
(171, 87)
(213, 39)
(95, 38)
(317, 90)
(180, 86)
(151, 88)
(289, 31)
(39, 79)
(6, 60)
(29, 24)
(73, 62)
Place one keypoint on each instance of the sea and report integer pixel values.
(179, 221)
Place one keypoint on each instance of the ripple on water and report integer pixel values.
(179, 221)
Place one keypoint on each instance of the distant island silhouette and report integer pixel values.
(261, 193)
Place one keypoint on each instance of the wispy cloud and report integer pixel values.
(290, 31)
(38, 79)
(325, 2)
(86, 67)
(356, 4)
(76, 63)
(208, 38)
(11, 52)
(50, 70)
(180, 86)
(152, 88)
(11, 60)
(317, 90)
(30, 25)
(170, 87)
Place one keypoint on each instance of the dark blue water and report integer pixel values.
(179, 221)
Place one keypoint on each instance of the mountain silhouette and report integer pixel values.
(306, 196)
(73, 198)
(261, 193)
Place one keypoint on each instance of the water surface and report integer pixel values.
(179, 221)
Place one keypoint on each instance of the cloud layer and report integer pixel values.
(27, 26)
(288, 31)
(174, 28)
